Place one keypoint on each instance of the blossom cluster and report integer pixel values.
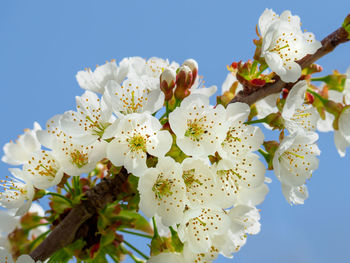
(198, 169)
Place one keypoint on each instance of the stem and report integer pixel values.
(172, 230)
(70, 190)
(135, 249)
(265, 154)
(155, 229)
(115, 259)
(136, 234)
(163, 116)
(256, 121)
(76, 185)
(167, 111)
(133, 257)
(60, 196)
(318, 79)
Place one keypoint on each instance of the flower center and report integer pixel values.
(97, 128)
(43, 165)
(162, 187)
(78, 158)
(230, 138)
(189, 178)
(137, 143)
(195, 130)
(288, 153)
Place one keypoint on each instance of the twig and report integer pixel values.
(329, 43)
(96, 199)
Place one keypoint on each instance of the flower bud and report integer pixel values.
(275, 121)
(193, 65)
(167, 83)
(183, 82)
(336, 81)
(310, 98)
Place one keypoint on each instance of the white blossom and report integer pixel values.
(163, 191)
(132, 97)
(8, 224)
(75, 159)
(241, 180)
(148, 71)
(342, 135)
(284, 43)
(200, 227)
(96, 80)
(267, 106)
(295, 194)
(89, 122)
(136, 135)
(43, 169)
(203, 257)
(199, 129)
(18, 192)
(240, 138)
(296, 114)
(347, 87)
(19, 152)
(326, 125)
(296, 158)
(201, 186)
(244, 220)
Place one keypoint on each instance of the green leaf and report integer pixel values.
(132, 219)
(60, 256)
(107, 238)
(346, 25)
(66, 253)
(58, 204)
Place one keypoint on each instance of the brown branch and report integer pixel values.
(329, 43)
(66, 232)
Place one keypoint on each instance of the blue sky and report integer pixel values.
(44, 43)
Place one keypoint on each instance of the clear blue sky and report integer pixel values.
(44, 43)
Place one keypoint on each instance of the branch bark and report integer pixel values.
(66, 232)
(329, 43)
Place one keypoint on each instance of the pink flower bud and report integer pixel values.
(193, 65)
(184, 79)
(167, 83)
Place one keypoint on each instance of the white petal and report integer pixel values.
(295, 99)
(160, 143)
(116, 152)
(295, 195)
(340, 143)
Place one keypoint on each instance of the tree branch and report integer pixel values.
(108, 189)
(329, 43)
(66, 232)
